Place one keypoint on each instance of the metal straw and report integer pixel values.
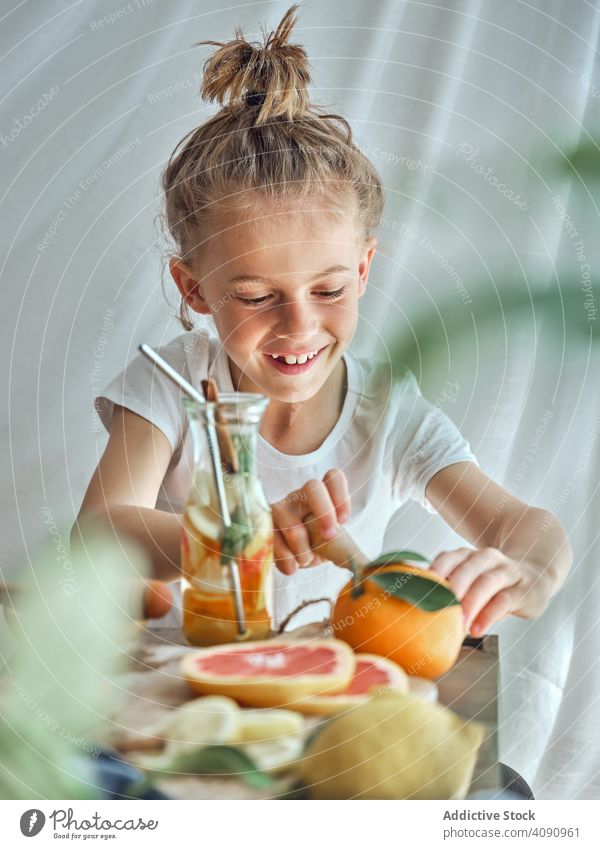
(213, 445)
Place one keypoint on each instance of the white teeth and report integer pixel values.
(293, 359)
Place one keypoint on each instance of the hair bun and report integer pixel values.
(272, 76)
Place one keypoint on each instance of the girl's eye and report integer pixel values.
(335, 294)
(256, 302)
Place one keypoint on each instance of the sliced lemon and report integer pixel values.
(203, 522)
(204, 489)
(258, 541)
(267, 724)
(274, 755)
(203, 721)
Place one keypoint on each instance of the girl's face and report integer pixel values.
(283, 291)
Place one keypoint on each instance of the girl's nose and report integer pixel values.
(297, 320)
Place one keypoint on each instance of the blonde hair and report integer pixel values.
(266, 142)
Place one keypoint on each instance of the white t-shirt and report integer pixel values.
(389, 441)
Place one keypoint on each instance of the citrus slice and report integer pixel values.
(372, 674)
(204, 721)
(274, 755)
(204, 523)
(267, 724)
(258, 540)
(203, 491)
(272, 673)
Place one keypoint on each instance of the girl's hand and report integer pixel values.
(490, 585)
(328, 500)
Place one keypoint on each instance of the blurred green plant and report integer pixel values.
(430, 339)
(57, 687)
(565, 308)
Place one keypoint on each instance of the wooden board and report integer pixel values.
(471, 689)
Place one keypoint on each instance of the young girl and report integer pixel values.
(271, 208)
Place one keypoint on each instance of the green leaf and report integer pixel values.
(214, 760)
(396, 556)
(416, 589)
(236, 536)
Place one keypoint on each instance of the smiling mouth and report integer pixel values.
(294, 363)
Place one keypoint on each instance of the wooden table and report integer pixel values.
(470, 688)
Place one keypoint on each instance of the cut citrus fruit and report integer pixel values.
(267, 724)
(276, 754)
(272, 673)
(208, 720)
(204, 522)
(372, 674)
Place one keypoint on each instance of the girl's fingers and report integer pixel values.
(328, 500)
(284, 559)
(293, 532)
(503, 603)
(488, 585)
(470, 568)
(319, 502)
(337, 486)
(445, 562)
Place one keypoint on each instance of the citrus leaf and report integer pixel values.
(397, 556)
(217, 760)
(416, 589)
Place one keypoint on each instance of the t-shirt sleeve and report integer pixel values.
(427, 440)
(146, 391)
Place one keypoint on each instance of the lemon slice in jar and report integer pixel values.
(203, 523)
(256, 544)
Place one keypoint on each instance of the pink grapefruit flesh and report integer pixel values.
(271, 673)
(372, 673)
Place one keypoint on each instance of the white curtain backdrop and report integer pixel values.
(469, 109)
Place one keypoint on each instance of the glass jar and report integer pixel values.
(207, 545)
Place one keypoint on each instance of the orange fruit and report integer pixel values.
(158, 599)
(422, 642)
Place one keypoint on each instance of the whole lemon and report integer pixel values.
(395, 746)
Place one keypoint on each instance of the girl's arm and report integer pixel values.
(524, 553)
(124, 488)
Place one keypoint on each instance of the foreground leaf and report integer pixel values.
(423, 592)
(211, 760)
(396, 557)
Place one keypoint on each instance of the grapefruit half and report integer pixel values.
(273, 673)
(371, 674)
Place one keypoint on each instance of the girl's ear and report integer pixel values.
(368, 252)
(188, 286)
